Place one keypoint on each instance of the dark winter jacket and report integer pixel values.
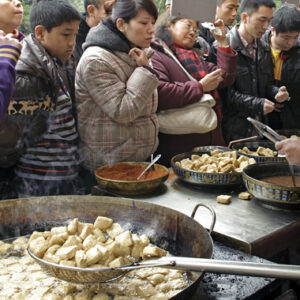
(253, 83)
(289, 117)
(83, 31)
(34, 98)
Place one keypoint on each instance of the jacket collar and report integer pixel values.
(107, 36)
(35, 60)
(235, 41)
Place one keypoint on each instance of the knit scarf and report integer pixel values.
(197, 68)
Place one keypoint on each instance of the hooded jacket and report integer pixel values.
(254, 82)
(116, 100)
(290, 77)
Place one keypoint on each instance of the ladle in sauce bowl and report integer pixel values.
(153, 161)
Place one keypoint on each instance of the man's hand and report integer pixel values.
(9, 40)
(291, 149)
(139, 56)
(211, 81)
(282, 95)
(269, 106)
(220, 38)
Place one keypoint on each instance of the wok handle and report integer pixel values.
(213, 221)
(232, 267)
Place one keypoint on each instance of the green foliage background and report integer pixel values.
(25, 26)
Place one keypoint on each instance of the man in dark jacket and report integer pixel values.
(282, 40)
(95, 11)
(253, 92)
(226, 11)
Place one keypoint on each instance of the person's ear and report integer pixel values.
(244, 17)
(39, 33)
(90, 9)
(273, 31)
(121, 24)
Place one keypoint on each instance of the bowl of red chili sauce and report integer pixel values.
(121, 178)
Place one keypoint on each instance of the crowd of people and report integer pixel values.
(83, 90)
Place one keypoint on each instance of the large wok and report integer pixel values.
(170, 229)
(167, 228)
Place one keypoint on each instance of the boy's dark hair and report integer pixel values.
(251, 6)
(128, 9)
(52, 13)
(286, 19)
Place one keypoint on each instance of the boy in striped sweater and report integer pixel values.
(41, 105)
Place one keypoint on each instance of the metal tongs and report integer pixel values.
(271, 135)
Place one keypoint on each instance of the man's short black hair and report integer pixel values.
(286, 19)
(251, 6)
(52, 13)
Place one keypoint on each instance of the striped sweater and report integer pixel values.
(54, 155)
(9, 56)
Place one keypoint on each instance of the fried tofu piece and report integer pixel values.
(124, 239)
(99, 235)
(80, 259)
(52, 250)
(118, 262)
(89, 242)
(73, 240)
(244, 196)
(103, 223)
(153, 251)
(73, 226)
(58, 239)
(137, 249)
(145, 240)
(6, 247)
(92, 256)
(66, 253)
(39, 246)
(86, 230)
(114, 230)
(58, 230)
(224, 199)
(101, 297)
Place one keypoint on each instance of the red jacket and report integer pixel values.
(176, 90)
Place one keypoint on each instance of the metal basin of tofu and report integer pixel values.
(213, 168)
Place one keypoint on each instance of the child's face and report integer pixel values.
(60, 41)
(11, 13)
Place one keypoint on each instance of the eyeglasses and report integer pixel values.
(189, 27)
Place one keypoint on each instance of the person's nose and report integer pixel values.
(18, 3)
(192, 32)
(151, 28)
(234, 13)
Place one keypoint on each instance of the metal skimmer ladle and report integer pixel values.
(157, 157)
(98, 275)
(271, 135)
